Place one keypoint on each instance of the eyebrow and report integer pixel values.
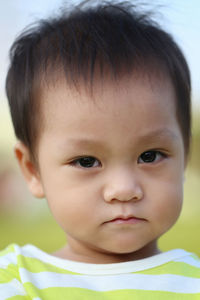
(160, 133)
(151, 135)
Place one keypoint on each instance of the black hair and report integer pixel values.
(110, 35)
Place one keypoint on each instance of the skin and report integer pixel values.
(116, 208)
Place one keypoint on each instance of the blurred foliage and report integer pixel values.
(42, 232)
(195, 147)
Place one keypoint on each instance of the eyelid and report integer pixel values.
(162, 152)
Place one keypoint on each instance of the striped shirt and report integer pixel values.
(29, 273)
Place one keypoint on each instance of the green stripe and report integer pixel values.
(7, 250)
(84, 294)
(34, 292)
(35, 265)
(9, 274)
(175, 268)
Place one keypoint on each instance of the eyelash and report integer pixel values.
(76, 162)
(161, 154)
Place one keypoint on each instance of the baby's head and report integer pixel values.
(100, 102)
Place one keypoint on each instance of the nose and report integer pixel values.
(123, 186)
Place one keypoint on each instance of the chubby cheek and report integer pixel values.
(71, 207)
(167, 208)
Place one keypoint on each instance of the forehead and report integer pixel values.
(107, 94)
(137, 104)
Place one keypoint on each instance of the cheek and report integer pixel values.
(169, 204)
(71, 205)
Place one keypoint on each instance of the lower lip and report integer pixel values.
(126, 221)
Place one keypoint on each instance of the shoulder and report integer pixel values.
(13, 252)
(10, 283)
(190, 261)
(8, 256)
(12, 258)
(15, 257)
(9, 260)
(179, 260)
(184, 268)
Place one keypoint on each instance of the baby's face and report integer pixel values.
(112, 167)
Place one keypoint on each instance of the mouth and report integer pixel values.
(126, 220)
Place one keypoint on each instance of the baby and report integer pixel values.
(100, 102)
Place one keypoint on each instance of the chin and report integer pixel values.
(126, 250)
(138, 250)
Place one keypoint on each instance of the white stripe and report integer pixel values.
(7, 259)
(11, 289)
(190, 261)
(104, 269)
(169, 283)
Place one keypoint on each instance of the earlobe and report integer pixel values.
(29, 170)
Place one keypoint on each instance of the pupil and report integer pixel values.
(87, 162)
(148, 156)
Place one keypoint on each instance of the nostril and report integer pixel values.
(123, 194)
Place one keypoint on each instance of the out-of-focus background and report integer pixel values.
(26, 220)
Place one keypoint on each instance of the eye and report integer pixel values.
(86, 162)
(151, 156)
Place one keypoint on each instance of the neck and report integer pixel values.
(96, 256)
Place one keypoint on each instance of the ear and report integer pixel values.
(29, 170)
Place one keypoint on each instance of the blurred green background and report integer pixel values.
(26, 220)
